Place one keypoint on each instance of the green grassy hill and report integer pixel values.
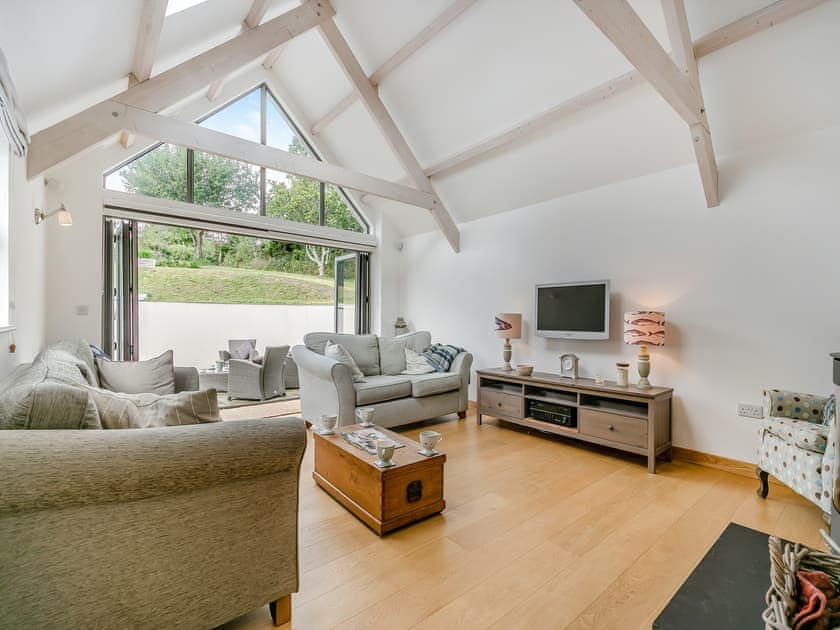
(227, 285)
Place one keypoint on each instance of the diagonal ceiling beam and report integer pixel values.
(67, 138)
(170, 130)
(683, 54)
(255, 15)
(756, 22)
(370, 97)
(272, 57)
(617, 20)
(740, 29)
(398, 58)
(148, 38)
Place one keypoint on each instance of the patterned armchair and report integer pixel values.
(799, 444)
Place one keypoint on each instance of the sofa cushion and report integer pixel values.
(381, 388)
(800, 434)
(423, 385)
(141, 411)
(241, 348)
(416, 363)
(392, 350)
(363, 348)
(337, 352)
(795, 405)
(153, 376)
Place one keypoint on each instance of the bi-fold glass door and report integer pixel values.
(191, 290)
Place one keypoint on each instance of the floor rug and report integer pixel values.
(726, 590)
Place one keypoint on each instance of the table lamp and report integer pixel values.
(644, 328)
(508, 326)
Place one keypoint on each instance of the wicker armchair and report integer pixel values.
(249, 380)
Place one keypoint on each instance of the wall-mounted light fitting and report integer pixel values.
(64, 216)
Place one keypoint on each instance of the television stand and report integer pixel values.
(625, 418)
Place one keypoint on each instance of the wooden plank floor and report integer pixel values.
(538, 533)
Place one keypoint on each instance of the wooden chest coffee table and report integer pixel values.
(382, 498)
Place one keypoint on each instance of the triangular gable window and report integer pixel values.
(187, 175)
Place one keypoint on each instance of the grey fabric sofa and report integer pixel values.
(172, 527)
(326, 386)
(175, 527)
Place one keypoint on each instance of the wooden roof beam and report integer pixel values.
(186, 134)
(370, 97)
(255, 16)
(683, 54)
(83, 130)
(398, 58)
(755, 22)
(617, 20)
(148, 38)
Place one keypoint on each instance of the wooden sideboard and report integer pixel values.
(625, 418)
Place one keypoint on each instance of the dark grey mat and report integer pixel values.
(726, 590)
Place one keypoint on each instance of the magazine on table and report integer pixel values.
(366, 439)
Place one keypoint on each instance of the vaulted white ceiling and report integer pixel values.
(500, 62)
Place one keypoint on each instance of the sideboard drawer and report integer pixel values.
(495, 402)
(612, 427)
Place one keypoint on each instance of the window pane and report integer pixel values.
(162, 172)
(292, 198)
(279, 133)
(224, 183)
(339, 213)
(241, 118)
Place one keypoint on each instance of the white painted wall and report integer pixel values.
(750, 288)
(197, 332)
(384, 277)
(27, 270)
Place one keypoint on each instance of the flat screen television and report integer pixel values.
(574, 310)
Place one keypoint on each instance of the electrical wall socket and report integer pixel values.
(746, 410)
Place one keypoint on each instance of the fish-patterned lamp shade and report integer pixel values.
(644, 328)
(509, 325)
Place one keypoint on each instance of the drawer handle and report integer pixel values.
(611, 427)
(499, 404)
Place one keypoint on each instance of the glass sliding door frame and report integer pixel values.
(120, 305)
(356, 266)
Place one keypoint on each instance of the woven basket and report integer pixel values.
(785, 561)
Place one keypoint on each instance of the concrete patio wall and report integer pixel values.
(196, 332)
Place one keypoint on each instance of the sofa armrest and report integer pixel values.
(794, 405)
(326, 386)
(462, 365)
(101, 466)
(186, 379)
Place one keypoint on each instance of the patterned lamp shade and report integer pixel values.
(644, 328)
(509, 325)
